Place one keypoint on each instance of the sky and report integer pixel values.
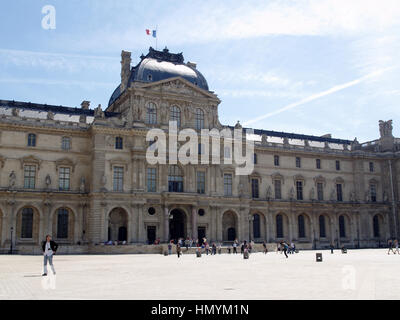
(311, 67)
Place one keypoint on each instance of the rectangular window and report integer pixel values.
(119, 143)
(298, 162)
(227, 152)
(151, 179)
(254, 188)
(276, 161)
(255, 158)
(372, 188)
(31, 140)
(29, 177)
(278, 189)
(337, 165)
(318, 163)
(320, 191)
(201, 182)
(66, 143)
(201, 149)
(228, 184)
(118, 179)
(371, 167)
(27, 223)
(339, 192)
(64, 178)
(299, 189)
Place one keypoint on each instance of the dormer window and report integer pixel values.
(149, 77)
(31, 140)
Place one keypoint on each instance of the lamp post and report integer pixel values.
(251, 218)
(169, 229)
(11, 244)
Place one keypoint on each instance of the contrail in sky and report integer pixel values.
(319, 95)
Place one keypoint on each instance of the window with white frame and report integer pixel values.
(228, 184)
(151, 113)
(29, 176)
(64, 178)
(65, 143)
(118, 179)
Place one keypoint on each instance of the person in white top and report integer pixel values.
(49, 248)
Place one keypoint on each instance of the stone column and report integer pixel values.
(166, 224)
(194, 223)
(12, 222)
(134, 233)
(140, 224)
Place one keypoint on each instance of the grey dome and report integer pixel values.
(161, 65)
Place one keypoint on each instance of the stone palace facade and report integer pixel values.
(81, 174)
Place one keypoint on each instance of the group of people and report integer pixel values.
(284, 247)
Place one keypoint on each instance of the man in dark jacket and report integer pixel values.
(49, 248)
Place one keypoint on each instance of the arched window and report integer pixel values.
(27, 223)
(302, 228)
(279, 226)
(322, 230)
(376, 227)
(342, 227)
(151, 113)
(175, 179)
(175, 115)
(62, 223)
(256, 226)
(199, 119)
(31, 140)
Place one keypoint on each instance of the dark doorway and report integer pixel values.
(151, 234)
(177, 225)
(122, 233)
(201, 232)
(231, 234)
(109, 233)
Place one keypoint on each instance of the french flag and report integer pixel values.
(151, 32)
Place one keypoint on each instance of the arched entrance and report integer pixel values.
(177, 225)
(117, 225)
(229, 226)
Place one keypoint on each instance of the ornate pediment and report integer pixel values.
(65, 162)
(178, 85)
(299, 177)
(30, 160)
(319, 179)
(119, 162)
(339, 180)
(277, 176)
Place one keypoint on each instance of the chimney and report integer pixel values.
(125, 69)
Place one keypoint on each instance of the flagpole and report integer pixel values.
(156, 36)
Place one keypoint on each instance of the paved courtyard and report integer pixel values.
(361, 274)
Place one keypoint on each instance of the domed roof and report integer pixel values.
(161, 65)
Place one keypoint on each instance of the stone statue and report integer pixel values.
(286, 141)
(11, 179)
(269, 193)
(306, 143)
(48, 181)
(238, 125)
(50, 115)
(352, 196)
(240, 189)
(326, 145)
(103, 182)
(385, 196)
(291, 194)
(367, 196)
(99, 113)
(82, 187)
(264, 139)
(15, 112)
(386, 128)
(312, 194)
(333, 195)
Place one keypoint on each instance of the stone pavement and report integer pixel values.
(360, 274)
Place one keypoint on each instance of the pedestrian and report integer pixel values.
(265, 247)
(242, 247)
(178, 250)
(49, 248)
(170, 247)
(214, 249)
(207, 248)
(235, 244)
(187, 244)
(396, 244)
(390, 245)
(191, 242)
(292, 248)
(285, 248)
(250, 247)
(332, 247)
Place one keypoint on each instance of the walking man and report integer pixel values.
(178, 250)
(390, 245)
(49, 248)
(285, 248)
(235, 244)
